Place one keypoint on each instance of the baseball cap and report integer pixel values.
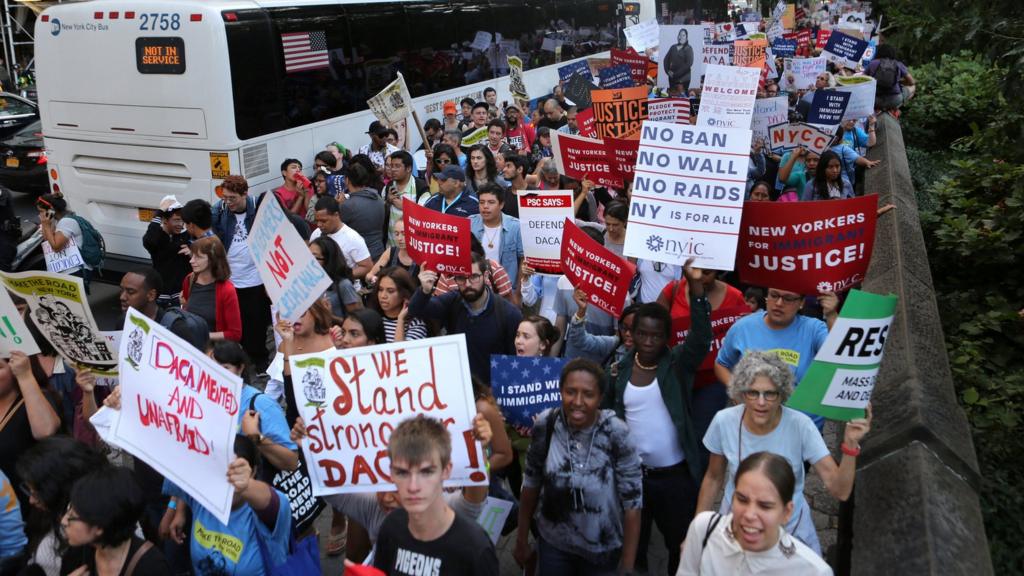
(169, 204)
(449, 108)
(376, 127)
(452, 171)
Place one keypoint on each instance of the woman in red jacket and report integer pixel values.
(208, 293)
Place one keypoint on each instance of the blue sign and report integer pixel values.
(618, 76)
(844, 49)
(525, 386)
(784, 48)
(580, 67)
(828, 107)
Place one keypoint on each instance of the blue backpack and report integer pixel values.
(93, 248)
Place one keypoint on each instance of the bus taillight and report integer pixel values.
(53, 174)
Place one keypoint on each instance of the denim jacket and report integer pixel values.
(511, 243)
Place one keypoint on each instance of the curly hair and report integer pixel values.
(757, 363)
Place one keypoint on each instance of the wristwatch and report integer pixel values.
(257, 438)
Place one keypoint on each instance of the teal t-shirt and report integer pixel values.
(12, 527)
(797, 176)
(233, 549)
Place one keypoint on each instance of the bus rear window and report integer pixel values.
(160, 55)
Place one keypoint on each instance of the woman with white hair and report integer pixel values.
(761, 384)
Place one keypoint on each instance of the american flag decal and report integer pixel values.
(304, 51)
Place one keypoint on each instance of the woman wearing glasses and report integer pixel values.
(759, 422)
(441, 156)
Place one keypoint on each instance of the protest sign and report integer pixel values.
(437, 241)
(779, 10)
(784, 48)
(688, 194)
(862, 95)
(542, 215)
(392, 103)
(642, 36)
(482, 41)
(579, 89)
(179, 411)
(671, 110)
(579, 67)
(798, 135)
(478, 136)
(66, 259)
(582, 158)
(805, 71)
(585, 123)
(493, 515)
(775, 31)
(294, 280)
(525, 387)
(60, 310)
(621, 156)
(855, 20)
(720, 54)
(681, 49)
(745, 29)
(839, 383)
(721, 320)
(750, 53)
(807, 247)
(803, 41)
(636, 62)
(351, 401)
(767, 113)
(844, 50)
(602, 274)
(618, 76)
(822, 40)
(516, 84)
(727, 100)
(724, 32)
(619, 112)
(828, 107)
(789, 17)
(14, 334)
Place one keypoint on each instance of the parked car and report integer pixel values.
(23, 160)
(16, 113)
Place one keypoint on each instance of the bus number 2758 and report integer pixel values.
(156, 21)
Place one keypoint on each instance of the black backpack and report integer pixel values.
(197, 331)
(887, 75)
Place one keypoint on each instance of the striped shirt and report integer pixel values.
(415, 329)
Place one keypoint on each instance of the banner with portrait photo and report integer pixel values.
(681, 51)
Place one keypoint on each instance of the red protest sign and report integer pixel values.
(721, 320)
(437, 241)
(585, 122)
(602, 274)
(823, 36)
(637, 64)
(621, 156)
(807, 247)
(583, 158)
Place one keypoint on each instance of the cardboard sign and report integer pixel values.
(14, 334)
(493, 515)
(636, 62)
(750, 53)
(784, 48)
(579, 67)
(60, 310)
(618, 113)
(618, 76)
(621, 156)
(768, 112)
(68, 258)
(294, 280)
(839, 383)
(688, 194)
(516, 83)
(798, 135)
(727, 100)
(585, 123)
(392, 103)
(671, 110)
(542, 215)
(807, 247)
(525, 387)
(642, 36)
(844, 50)
(721, 320)
(596, 270)
(579, 89)
(828, 107)
(862, 95)
(805, 71)
(351, 401)
(437, 241)
(179, 412)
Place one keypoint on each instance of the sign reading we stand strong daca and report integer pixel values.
(352, 400)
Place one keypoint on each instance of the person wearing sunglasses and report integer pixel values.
(761, 385)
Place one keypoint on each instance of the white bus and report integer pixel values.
(140, 99)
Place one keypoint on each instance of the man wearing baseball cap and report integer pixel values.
(378, 149)
(518, 134)
(453, 199)
(451, 117)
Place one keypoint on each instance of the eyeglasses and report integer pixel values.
(768, 395)
(471, 278)
(443, 161)
(775, 296)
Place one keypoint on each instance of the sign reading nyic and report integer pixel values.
(437, 241)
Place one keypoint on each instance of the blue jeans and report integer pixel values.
(552, 561)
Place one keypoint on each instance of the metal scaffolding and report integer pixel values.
(16, 23)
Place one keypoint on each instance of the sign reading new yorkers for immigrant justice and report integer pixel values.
(437, 241)
(688, 194)
(352, 400)
(542, 215)
(596, 270)
(293, 278)
(582, 158)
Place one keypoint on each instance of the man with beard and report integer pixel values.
(518, 135)
(489, 322)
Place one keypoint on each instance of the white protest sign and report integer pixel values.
(541, 219)
(294, 280)
(855, 341)
(680, 49)
(351, 401)
(482, 41)
(727, 99)
(642, 36)
(14, 334)
(805, 71)
(672, 110)
(492, 516)
(720, 54)
(179, 412)
(68, 258)
(798, 135)
(767, 113)
(862, 95)
(688, 194)
(392, 103)
(516, 84)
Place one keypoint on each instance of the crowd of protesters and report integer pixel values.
(643, 437)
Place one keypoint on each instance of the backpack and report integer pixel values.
(887, 75)
(93, 248)
(198, 333)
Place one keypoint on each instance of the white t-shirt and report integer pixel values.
(650, 426)
(795, 438)
(491, 240)
(69, 227)
(654, 276)
(243, 270)
(351, 243)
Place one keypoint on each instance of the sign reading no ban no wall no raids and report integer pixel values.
(688, 194)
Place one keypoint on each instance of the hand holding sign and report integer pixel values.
(857, 429)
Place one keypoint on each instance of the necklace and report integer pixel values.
(490, 239)
(636, 360)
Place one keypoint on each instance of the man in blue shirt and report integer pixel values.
(453, 198)
(497, 232)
